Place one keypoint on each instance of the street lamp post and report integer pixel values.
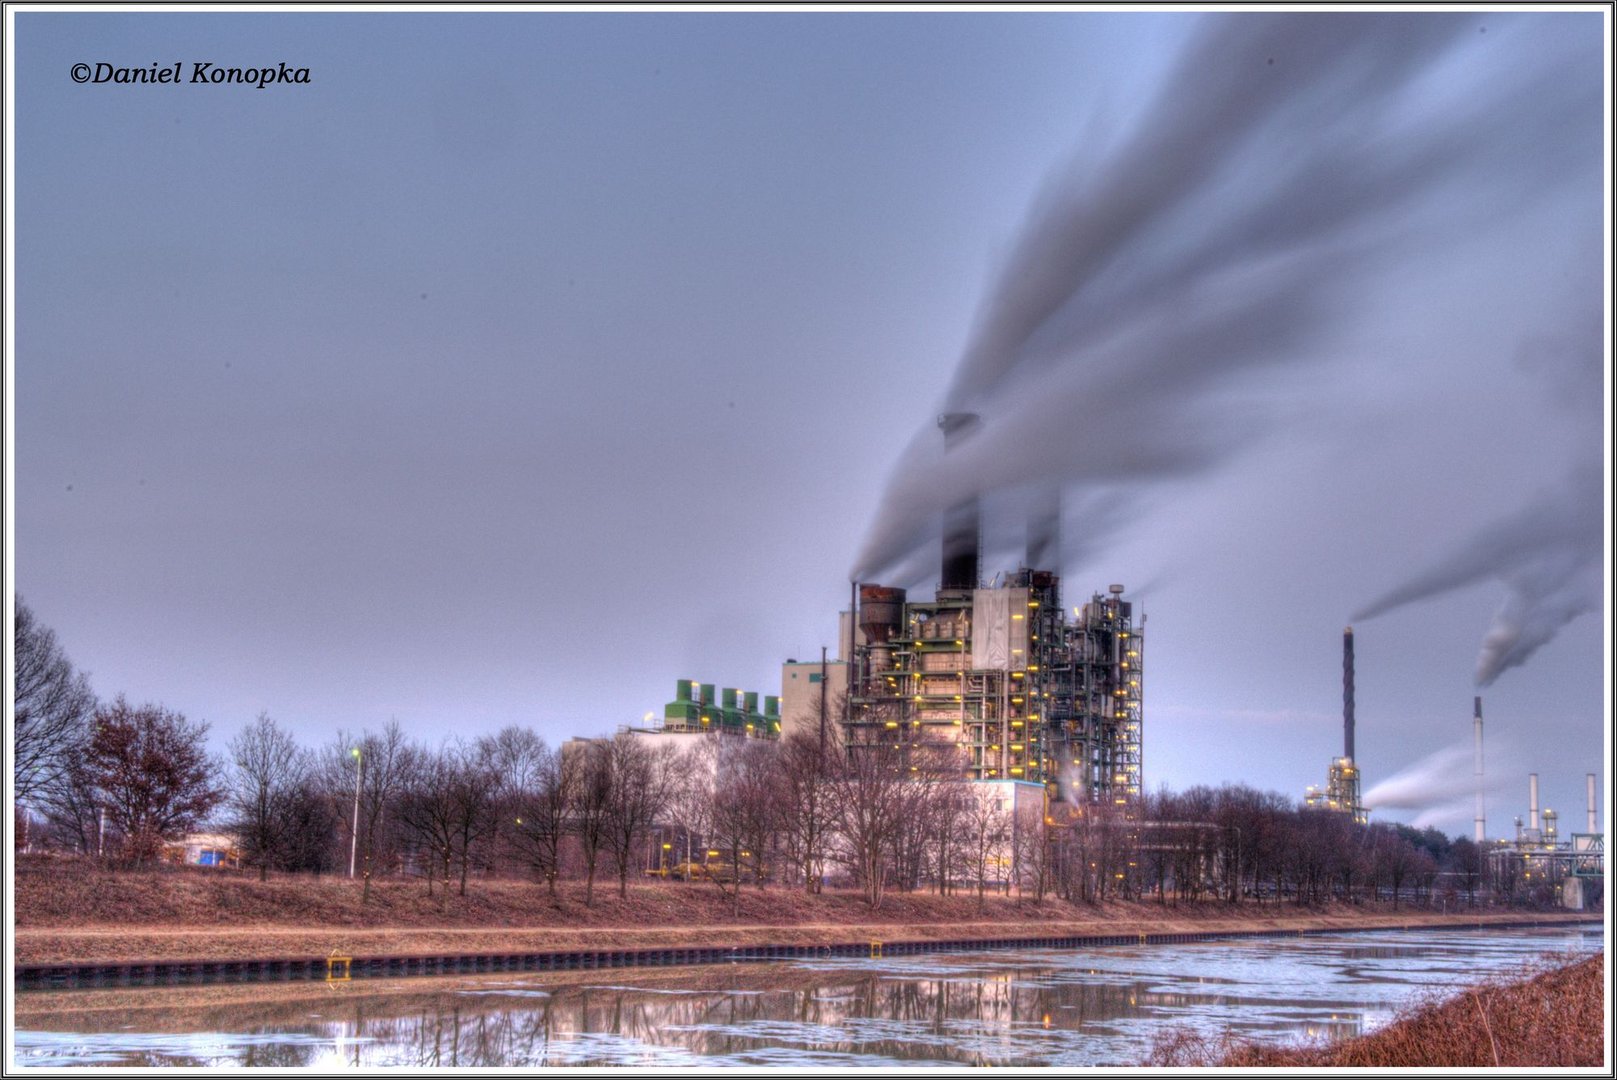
(359, 779)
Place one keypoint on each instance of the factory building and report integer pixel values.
(1000, 671)
(1036, 702)
(1029, 696)
(1574, 867)
(812, 691)
(703, 708)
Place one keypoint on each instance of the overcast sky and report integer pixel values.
(520, 364)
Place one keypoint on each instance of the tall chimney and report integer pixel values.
(1590, 782)
(1532, 801)
(1347, 693)
(961, 527)
(1476, 728)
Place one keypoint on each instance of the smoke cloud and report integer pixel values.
(1547, 555)
(1177, 295)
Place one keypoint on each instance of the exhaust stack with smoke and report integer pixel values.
(961, 526)
(1532, 802)
(1342, 780)
(1347, 693)
(1476, 729)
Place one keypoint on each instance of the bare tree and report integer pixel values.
(638, 793)
(1034, 851)
(515, 754)
(690, 796)
(268, 771)
(592, 807)
(1466, 858)
(868, 791)
(806, 814)
(154, 774)
(51, 716)
(743, 816)
(384, 760)
(310, 825)
(544, 805)
(948, 824)
(987, 825)
(426, 808)
(473, 798)
(73, 810)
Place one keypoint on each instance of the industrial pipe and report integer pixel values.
(1347, 693)
(1476, 727)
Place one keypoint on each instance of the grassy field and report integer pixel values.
(70, 911)
(1539, 1019)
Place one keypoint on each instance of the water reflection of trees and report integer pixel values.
(969, 1015)
(865, 1014)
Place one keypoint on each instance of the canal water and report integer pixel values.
(1099, 1006)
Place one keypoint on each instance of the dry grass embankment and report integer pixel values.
(1538, 1019)
(70, 911)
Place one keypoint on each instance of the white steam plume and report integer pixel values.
(1440, 788)
(1442, 776)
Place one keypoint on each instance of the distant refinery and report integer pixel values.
(1341, 793)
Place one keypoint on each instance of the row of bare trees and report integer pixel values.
(121, 780)
(792, 812)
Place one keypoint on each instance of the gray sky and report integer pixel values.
(521, 364)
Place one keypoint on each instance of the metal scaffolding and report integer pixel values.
(1002, 673)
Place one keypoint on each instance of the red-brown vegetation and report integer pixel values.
(1553, 1016)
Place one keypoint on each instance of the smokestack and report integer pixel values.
(1590, 781)
(1347, 693)
(1532, 801)
(960, 522)
(1476, 727)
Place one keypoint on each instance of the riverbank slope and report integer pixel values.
(1546, 1019)
(68, 911)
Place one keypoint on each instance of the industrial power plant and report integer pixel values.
(1040, 705)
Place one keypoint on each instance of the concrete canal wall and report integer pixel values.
(342, 968)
